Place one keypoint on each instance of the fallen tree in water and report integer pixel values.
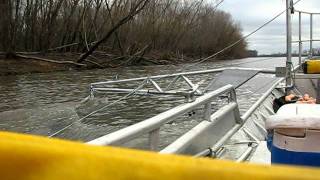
(50, 60)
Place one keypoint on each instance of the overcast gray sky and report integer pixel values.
(253, 13)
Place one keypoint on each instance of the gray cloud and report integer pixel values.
(253, 13)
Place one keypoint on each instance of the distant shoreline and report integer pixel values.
(43, 64)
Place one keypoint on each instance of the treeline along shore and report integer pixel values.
(49, 35)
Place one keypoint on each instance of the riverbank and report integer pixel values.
(15, 66)
(27, 63)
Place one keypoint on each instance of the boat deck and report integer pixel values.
(261, 155)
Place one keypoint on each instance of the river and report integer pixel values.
(45, 103)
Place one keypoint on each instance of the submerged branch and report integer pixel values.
(50, 60)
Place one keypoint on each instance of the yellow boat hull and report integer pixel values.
(35, 158)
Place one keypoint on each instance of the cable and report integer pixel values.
(215, 7)
(96, 111)
(243, 38)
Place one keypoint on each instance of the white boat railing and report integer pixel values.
(205, 138)
(311, 39)
(217, 140)
(152, 125)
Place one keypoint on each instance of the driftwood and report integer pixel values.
(64, 46)
(48, 50)
(43, 52)
(95, 63)
(50, 60)
(138, 55)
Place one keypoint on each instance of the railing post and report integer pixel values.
(300, 41)
(233, 95)
(207, 111)
(236, 111)
(154, 139)
(318, 91)
(311, 35)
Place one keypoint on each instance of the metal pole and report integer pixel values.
(154, 139)
(300, 42)
(318, 91)
(233, 97)
(311, 34)
(208, 111)
(267, 71)
(289, 45)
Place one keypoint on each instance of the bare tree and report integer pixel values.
(169, 28)
(134, 10)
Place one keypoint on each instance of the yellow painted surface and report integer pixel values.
(313, 67)
(31, 157)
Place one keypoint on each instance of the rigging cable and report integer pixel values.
(241, 39)
(217, 5)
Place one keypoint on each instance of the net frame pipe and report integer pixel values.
(142, 91)
(102, 86)
(261, 70)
